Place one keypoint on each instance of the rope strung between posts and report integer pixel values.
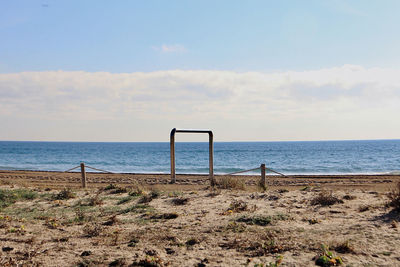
(89, 168)
(72, 169)
(97, 169)
(277, 172)
(271, 170)
(242, 171)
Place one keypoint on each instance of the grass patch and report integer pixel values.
(64, 194)
(138, 208)
(149, 197)
(325, 198)
(394, 197)
(9, 197)
(230, 183)
(179, 201)
(262, 220)
(125, 200)
(114, 189)
(256, 246)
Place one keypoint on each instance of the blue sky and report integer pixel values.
(123, 36)
(213, 54)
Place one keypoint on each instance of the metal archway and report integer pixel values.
(210, 148)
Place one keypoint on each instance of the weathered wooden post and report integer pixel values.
(83, 172)
(262, 181)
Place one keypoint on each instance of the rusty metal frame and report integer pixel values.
(210, 148)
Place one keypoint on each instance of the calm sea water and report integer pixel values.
(320, 157)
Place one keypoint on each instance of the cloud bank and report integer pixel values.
(348, 102)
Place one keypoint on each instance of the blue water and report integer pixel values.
(320, 157)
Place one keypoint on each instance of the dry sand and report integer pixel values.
(190, 224)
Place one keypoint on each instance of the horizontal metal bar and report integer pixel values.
(192, 131)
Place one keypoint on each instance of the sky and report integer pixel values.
(248, 70)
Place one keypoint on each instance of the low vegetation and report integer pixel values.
(394, 198)
(64, 194)
(325, 198)
(262, 220)
(326, 258)
(231, 183)
(10, 196)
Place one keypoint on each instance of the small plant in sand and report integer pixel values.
(231, 183)
(313, 221)
(262, 220)
(66, 193)
(149, 261)
(20, 230)
(136, 191)
(149, 197)
(349, 197)
(394, 197)
(326, 258)
(344, 247)
(236, 227)
(114, 189)
(125, 200)
(239, 206)
(95, 200)
(52, 223)
(278, 261)
(179, 201)
(325, 198)
(91, 230)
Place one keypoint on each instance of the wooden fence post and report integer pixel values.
(262, 181)
(83, 175)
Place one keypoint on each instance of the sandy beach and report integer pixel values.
(46, 219)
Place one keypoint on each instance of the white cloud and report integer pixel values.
(175, 48)
(344, 102)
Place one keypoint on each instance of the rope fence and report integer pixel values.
(263, 170)
(262, 167)
(89, 168)
(83, 172)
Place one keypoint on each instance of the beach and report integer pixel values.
(142, 220)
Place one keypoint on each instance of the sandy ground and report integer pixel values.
(144, 221)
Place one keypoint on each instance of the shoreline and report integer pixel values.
(54, 179)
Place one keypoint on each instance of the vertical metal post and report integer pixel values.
(172, 151)
(262, 181)
(211, 157)
(83, 172)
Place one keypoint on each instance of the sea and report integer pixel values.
(309, 157)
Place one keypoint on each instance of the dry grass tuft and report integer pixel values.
(66, 193)
(179, 201)
(344, 247)
(231, 183)
(325, 198)
(256, 246)
(394, 197)
(149, 197)
(91, 230)
(349, 197)
(96, 200)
